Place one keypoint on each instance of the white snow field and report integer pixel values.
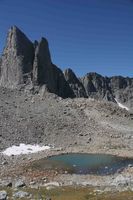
(121, 105)
(24, 149)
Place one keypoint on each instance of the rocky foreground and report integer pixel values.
(67, 125)
(44, 118)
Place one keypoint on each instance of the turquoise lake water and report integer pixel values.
(100, 164)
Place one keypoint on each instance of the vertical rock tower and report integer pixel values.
(17, 59)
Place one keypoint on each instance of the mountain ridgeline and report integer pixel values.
(26, 63)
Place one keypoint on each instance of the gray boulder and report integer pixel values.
(48, 198)
(5, 183)
(120, 180)
(21, 194)
(19, 183)
(3, 195)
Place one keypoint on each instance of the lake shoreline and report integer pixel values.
(18, 167)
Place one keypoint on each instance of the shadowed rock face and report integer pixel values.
(17, 58)
(63, 88)
(42, 63)
(74, 83)
(44, 72)
(97, 87)
(122, 88)
(112, 88)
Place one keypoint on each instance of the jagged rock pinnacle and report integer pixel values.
(74, 83)
(17, 58)
(24, 63)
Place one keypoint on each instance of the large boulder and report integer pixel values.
(17, 59)
(19, 183)
(21, 195)
(3, 195)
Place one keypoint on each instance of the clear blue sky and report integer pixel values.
(85, 35)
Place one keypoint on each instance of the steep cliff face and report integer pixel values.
(97, 87)
(113, 89)
(44, 72)
(17, 58)
(74, 83)
(42, 65)
(122, 89)
(23, 62)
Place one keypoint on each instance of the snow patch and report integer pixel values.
(24, 149)
(121, 105)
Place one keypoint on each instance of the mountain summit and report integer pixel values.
(24, 62)
(17, 58)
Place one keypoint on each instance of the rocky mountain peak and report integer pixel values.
(70, 75)
(17, 58)
(42, 61)
(42, 51)
(45, 72)
(16, 40)
(24, 62)
(97, 86)
(74, 83)
(15, 30)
